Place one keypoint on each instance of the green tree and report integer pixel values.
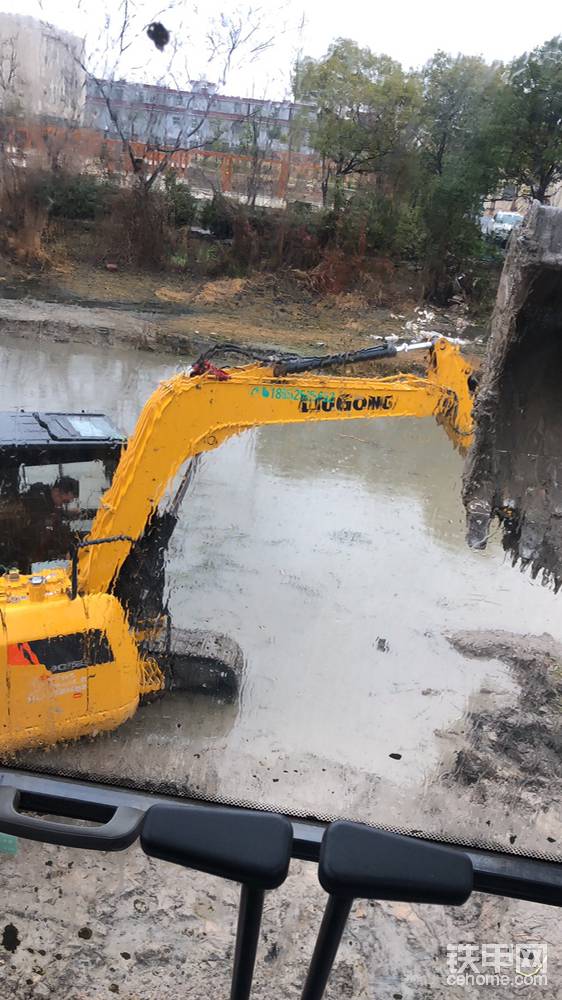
(459, 99)
(366, 109)
(460, 159)
(181, 205)
(530, 119)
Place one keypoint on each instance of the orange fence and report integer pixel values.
(284, 176)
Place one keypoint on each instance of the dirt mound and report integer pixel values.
(350, 302)
(513, 750)
(222, 291)
(173, 295)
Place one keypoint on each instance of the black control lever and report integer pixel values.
(358, 862)
(253, 848)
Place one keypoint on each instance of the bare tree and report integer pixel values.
(9, 66)
(149, 144)
(259, 134)
(242, 31)
(153, 130)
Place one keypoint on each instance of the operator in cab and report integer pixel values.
(46, 500)
(45, 532)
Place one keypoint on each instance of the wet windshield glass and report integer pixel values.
(382, 670)
(280, 471)
(47, 508)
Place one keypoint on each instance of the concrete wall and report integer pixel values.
(39, 70)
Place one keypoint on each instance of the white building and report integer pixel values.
(40, 70)
(195, 117)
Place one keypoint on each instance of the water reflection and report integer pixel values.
(388, 459)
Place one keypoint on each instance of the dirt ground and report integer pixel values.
(84, 926)
(174, 310)
(513, 748)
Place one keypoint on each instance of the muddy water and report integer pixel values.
(336, 557)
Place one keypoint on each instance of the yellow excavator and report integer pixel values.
(81, 642)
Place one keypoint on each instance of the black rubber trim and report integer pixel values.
(360, 862)
(118, 829)
(495, 873)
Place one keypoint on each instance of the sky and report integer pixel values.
(410, 31)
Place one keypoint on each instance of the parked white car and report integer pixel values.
(503, 224)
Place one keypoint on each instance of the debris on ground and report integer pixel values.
(220, 291)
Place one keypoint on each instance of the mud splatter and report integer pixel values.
(10, 938)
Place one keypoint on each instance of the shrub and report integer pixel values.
(24, 213)
(182, 206)
(216, 215)
(77, 196)
(137, 230)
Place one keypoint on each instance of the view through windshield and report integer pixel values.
(424, 696)
(280, 470)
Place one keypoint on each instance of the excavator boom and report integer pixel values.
(188, 415)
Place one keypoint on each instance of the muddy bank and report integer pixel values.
(512, 751)
(46, 321)
(184, 318)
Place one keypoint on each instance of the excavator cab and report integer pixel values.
(68, 666)
(54, 468)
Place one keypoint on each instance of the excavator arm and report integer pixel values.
(188, 415)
